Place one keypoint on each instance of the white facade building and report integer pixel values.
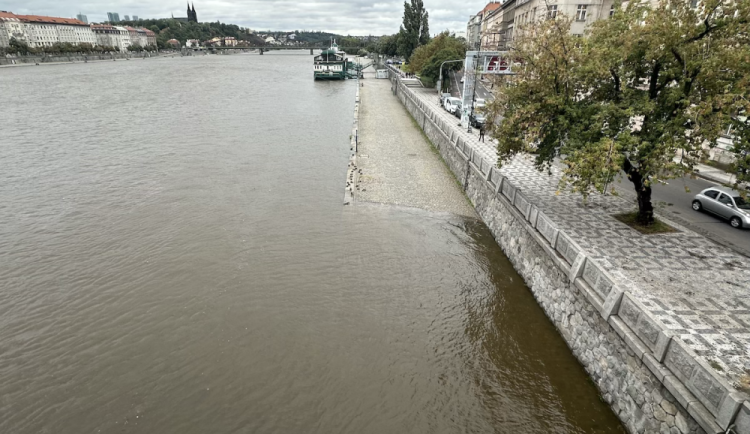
(123, 39)
(112, 36)
(138, 36)
(11, 27)
(46, 31)
(39, 31)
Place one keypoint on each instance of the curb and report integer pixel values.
(711, 178)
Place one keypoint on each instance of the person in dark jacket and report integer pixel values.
(481, 133)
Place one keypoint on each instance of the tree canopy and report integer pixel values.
(647, 85)
(415, 30)
(168, 28)
(426, 59)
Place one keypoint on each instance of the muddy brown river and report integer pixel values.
(175, 258)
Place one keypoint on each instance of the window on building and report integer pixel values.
(581, 13)
(552, 11)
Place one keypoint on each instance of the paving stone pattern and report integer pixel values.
(396, 163)
(699, 290)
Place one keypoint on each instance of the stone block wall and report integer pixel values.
(31, 60)
(650, 380)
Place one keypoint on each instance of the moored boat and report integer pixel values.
(330, 64)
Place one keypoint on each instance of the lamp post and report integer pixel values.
(440, 77)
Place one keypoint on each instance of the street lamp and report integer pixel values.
(440, 77)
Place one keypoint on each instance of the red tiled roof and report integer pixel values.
(4, 14)
(51, 20)
(490, 7)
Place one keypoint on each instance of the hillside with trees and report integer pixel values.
(168, 28)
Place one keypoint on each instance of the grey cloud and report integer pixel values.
(356, 17)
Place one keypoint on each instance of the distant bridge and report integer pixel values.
(263, 49)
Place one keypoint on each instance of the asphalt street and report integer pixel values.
(457, 87)
(674, 202)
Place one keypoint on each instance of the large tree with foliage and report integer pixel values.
(649, 84)
(415, 30)
(426, 59)
(387, 45)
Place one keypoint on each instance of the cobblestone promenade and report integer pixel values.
(397, 164)
(699, 290)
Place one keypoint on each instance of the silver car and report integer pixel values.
(725, 203)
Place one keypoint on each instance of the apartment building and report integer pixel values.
(11, 26)
(112, 36)
(500, 25)
(40, 31)
(477, 25)
(137, 36)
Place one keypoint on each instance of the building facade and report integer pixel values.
(137, 36)
(113, 17)
(83, 18)
(39, 31)
(475, 27)
(11, 27)
(150, 37)
(495, 29)
(192, 15)
(112, 36)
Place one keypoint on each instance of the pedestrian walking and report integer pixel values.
(481, 133)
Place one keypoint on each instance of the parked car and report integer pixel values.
(477, 120)
(725, 203)
(451, 104)
(459, 108)
(443, 97)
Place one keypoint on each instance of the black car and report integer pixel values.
(477, 120)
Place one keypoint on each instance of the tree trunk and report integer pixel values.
(643, 193)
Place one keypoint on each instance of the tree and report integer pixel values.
(19, 47)
(415, 30)
(387, 45)
(646, 85)
(426, 59)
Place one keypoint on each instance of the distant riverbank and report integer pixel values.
(73, 58)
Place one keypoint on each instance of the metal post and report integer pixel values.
(440, 77)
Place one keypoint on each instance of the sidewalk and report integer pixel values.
(716, 175)
(698, 290)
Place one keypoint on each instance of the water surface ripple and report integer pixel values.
(175, 258)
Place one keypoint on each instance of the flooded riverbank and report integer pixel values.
(174, 257)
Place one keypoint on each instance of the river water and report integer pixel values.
(175, 258)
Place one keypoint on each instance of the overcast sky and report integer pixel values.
(355, 17)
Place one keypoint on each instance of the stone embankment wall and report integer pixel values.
(32, 60)
(651, 381)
